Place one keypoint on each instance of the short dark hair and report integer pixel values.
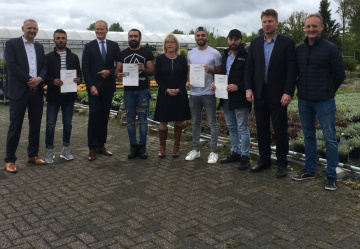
(61, 31)
(135, 30)
(270, 12)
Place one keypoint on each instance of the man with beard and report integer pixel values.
(136, 98)
(270, 82)
(26, 63)
(98, 65)
(204, 97)
(60, 59)
(236, 108)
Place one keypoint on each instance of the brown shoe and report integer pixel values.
(36, 160)
(10, 167)
(177, 136)
(162, 137)
(104, 151)
(92, 155)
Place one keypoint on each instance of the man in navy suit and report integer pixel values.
(98, 65)
(26, 65)
(270, 82)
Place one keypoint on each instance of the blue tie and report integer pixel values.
(103, 50)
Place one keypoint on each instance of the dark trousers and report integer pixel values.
(99, 109)
(266, 109)
(34, 102)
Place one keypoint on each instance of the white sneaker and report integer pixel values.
(192, 155)
(213, 157)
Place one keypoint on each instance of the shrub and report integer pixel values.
(350, 64)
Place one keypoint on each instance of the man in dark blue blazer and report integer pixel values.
(270, 82)
(26, 63)
(98, 65)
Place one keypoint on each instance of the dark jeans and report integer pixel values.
(67, 109)
(34, 102)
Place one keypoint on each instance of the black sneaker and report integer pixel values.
(330, 184)
(234, 157)
(244, 163)
(303, 175)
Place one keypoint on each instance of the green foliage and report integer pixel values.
(151, 47)
(116, 27)
(294, 26)
(331, 30)
(351, 76)
(91, 26)
(183, 52)
(191, 32)
(177, 31)
(248, 38)
(350, 64)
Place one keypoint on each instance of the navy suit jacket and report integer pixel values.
(92, 63)
(18, 67)
(281, 72)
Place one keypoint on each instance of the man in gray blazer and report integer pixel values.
(26, 63)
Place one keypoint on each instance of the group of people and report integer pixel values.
(264, 73)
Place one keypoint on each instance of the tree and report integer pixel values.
(91, 26)
(191, 32)
(295, 23)
(344, 12)
(178, 31)
(331, 30)
(116, 27)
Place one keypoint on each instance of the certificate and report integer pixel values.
(197, 75)
(131, 72)
(221, 82)
(67, 77)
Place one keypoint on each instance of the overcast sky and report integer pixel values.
(152, 16)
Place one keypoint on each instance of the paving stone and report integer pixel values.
(114, 202)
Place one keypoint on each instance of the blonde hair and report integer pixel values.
(318, 15)
(171, 37)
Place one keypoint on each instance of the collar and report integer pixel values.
(26, 41)
(99, 41)
(272, 39)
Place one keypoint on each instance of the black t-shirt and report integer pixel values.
(141, 55)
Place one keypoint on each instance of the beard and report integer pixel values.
(201, 43)
(134, 44)
(61, 46)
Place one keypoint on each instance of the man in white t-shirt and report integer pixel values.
(204, 97)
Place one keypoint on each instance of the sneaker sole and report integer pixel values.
(331, 189)
(303, 179)
(67, 159)
(190, 159)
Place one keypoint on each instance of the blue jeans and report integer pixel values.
(237, 123)
(326, 113)
(137, 103)
(197, 103)
(67, 109)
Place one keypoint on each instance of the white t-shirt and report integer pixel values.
(209, 57)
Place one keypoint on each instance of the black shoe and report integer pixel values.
(281, 172)
(234, 157)
(134, 151)
(244, 163)
(142, 151)
(261, 166)
(331, 184)
(303, 175)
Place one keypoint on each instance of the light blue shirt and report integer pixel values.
(31, 56)
(229, 61)
(268, 48)
(99, 42)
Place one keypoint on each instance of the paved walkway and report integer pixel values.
(114, 202)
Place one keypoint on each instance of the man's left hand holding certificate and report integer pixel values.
(221, 82)
(68, 78)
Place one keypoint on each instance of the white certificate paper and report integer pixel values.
(197, 75)
(131, 72)
(221, 82)
(67, 77)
